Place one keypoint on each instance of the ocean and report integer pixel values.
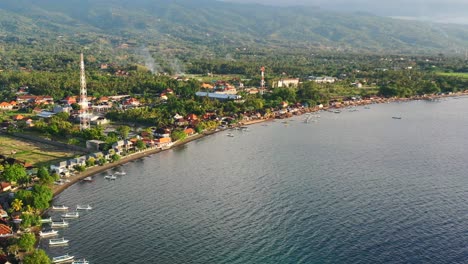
(354, 187)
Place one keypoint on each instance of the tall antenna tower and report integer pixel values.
(84, 117)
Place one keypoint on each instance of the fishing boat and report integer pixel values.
(83, 207)
(46, 220)
(58, 241)
(63, 223)
(59, 207)
(48, 233)
(88, 179)
(61, 259)
(71, 215)
(110, 177)
(80, 261)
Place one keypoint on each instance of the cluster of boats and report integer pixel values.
(61, 224)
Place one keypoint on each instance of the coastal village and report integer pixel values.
(28, 111)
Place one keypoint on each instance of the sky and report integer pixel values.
(450, 11)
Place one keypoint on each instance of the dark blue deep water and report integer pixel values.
(355, 187)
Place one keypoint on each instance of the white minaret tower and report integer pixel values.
(262, 83)
(84, 117)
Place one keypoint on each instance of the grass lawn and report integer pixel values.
(463, 75)
(35, 153)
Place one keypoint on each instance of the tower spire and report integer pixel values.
(84, 117)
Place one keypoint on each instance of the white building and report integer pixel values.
(294, 82)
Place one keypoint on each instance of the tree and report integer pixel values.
(91, 162)
(178, 135)
(27, 241)
(44, 176)
(42, 195)
(140, 144)
(115, 157)
(29, 219)
(123, 131)
(17, 205)
(13, 172)
(39, 256)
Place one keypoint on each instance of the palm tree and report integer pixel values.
(17, 205)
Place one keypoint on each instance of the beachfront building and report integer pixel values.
(291, 82)
(163, 142)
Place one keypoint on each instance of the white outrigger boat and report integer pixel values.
(58, 241)
(84, 207)
(71, 215)
(48, 233)
(46, 220)
(120, 173)
(80, 261)
(110, 177)
(61, 259)
(59, 207)
(59, 224)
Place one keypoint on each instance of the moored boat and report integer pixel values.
(58, 241)
(88, 179)
(63, 223)
(120, 173)
(61, 259)
(48, 233)
(83, 207)
(80, 261)
(71, 215)
(59, 207)
(110, 177)
(46, 220)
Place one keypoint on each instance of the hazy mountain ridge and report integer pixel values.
(212, 24)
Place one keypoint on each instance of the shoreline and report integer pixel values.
(57, 189)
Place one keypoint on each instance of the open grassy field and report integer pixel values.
(463, 75)
(35, 153)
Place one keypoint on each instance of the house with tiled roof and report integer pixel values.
(163, 142)
(192, 117)
(18, 117)
(207, 86)
(131, 102)
(189, 131)
(103, 99)
(162, 132)
(5, 231)
(69, 100)
(5, 106)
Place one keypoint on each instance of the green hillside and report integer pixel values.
(205, 27)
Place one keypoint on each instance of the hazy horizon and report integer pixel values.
(448, 11)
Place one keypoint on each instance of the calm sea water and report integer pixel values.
(355, 187)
